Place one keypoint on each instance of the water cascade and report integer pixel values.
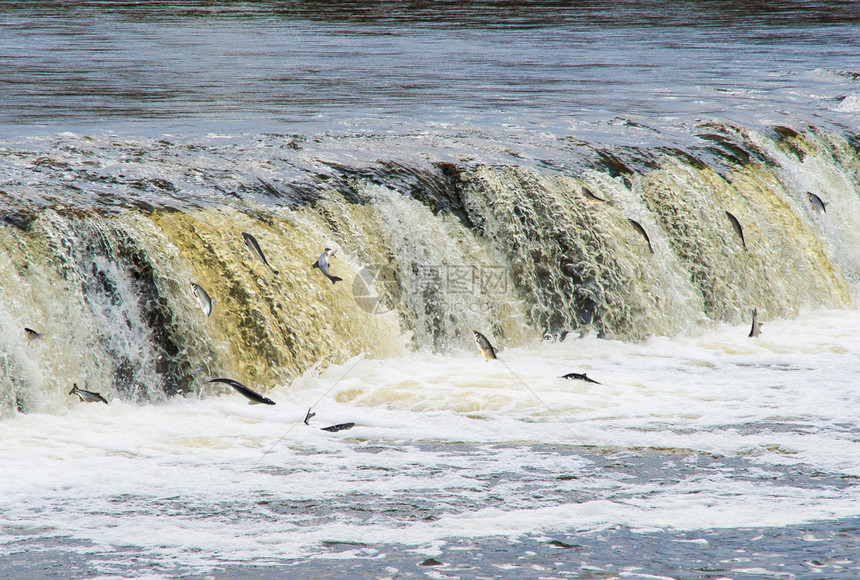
(428, 251)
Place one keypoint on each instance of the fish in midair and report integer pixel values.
(331, 428)
(638, 227)
(589, 196)
(254, 246)
(816, 202)
(254, 397)
(736, 225)
(484, 346)
(87, 396)
(322, 263)
(755, 330)
(579, 377)
(203, 299)
(32, 335)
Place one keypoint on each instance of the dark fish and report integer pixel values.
(322, 263)
(816, 202)
(484, 346)
(254, 246)
(87, 396)
(589, 196)
(736, 225)
(579, 377)
(254, 397)
(32, 335)
(756, 326)
(203, 299)
(339, 427)
(333, 428)
(638, 227)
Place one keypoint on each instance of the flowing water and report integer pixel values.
(444, 151)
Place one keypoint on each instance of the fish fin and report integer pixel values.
(310, 415)
(335, 279)
(316, 265)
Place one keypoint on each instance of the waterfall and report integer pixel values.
(99, 248)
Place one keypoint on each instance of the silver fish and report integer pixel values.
(87, 396)
(755, 330)
(32, 335)
(579, 377)
(254, 397)
(736, 225)
(322, 263)
(203, 299)
(589, 196)
(254, 246)
(638, 227)
(484, 346)
(816, 202)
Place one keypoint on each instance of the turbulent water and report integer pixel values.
(449, 154)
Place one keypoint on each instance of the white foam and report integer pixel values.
(471, 444)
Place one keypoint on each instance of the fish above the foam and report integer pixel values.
(203, 299)
(736, 225)
(331, 428)
(755, 329)
(87, 396)
(817, 203)
(590, 197)
(579, 377)
(253, 397)
(484, 346)
(256, 251)
(638, 227)
(323, 264)
(32, 335)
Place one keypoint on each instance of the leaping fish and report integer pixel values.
(254, 246)
(817, 204)
(638, 227)
(332, 428)
(579, 377)
(736, 225)
(755, 330)
(32, 335)
(87, 396)
(254, 397)
(203, 299)
(322, 263)
(484, 346)
(589, 196)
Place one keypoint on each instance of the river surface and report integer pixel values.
(442, 149)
